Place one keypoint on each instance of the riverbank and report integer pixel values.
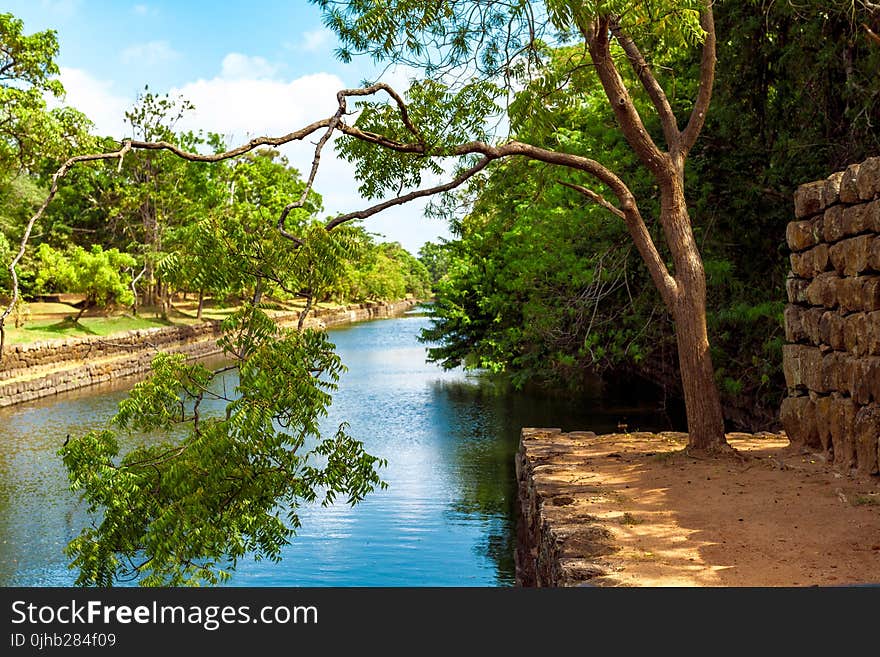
(634, 510)
(45, 368)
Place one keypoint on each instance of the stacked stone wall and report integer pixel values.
(832, 320)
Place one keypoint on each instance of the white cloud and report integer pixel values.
(144, 10)
(236, 66)
(60, 8)
(149, 54)
(97, 100)
(315, 40)
(241, 108)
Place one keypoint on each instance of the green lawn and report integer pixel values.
(47, 321)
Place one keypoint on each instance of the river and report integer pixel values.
(446, 519)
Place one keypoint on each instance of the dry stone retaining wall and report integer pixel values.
(41, 369)
(832, 320)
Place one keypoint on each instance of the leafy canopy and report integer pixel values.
(185, 512)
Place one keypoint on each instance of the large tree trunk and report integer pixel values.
(702, 403)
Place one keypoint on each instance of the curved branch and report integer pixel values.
(406, 198)
(593, 196)
(649, 82)
(707, 80)
(628, 118)
(333, 123)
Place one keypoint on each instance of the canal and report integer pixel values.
(446, 519)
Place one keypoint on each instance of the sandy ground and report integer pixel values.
(777, 517)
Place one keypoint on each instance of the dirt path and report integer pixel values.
(776, 518)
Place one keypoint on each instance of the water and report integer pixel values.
(446, 519)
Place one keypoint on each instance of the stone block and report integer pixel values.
(872, 216)
(802, 235)
(870, 293)
(849, 191)
(796, 289)
(855, 330)
(850, 257)
(868, 179)
(831, 191)
(861, 385)
(843, 411)
(850, 293)
(855, 219)
(833, 227)
(831, 330)
(866, 428)
(798, 417)
(809, 199)
(871, 372)
(801, 364)
(810, 263)
(811, 319)
(832, 375)
(822, 405)
(871, 336)
(874, 255)
(823, 290)
(794, 326)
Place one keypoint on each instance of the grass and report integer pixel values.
(49, 321)
(49, 329)
(867, 500)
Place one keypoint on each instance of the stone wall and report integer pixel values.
(41, 369)
(555, 546)
(832, 320)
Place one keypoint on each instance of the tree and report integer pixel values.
(435, 257)
(185, 512)
(28, 130)
(393, 146)
(98, 274)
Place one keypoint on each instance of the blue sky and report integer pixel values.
(256, 67)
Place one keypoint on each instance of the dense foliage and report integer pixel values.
(543, 287)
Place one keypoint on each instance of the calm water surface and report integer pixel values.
(446, 519)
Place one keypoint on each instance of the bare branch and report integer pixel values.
(406, 198)
(638, 231)
(649, 82)
(593, 196)
(628, 118)
(871, 34)
(707, 80)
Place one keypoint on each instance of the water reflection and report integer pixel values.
(447, 517)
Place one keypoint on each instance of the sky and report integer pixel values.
(261, 67)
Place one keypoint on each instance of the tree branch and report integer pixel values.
(593, 196)
(406, 198)
(638, 231)
(649, 82)
(707, 80)
(628, 118)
